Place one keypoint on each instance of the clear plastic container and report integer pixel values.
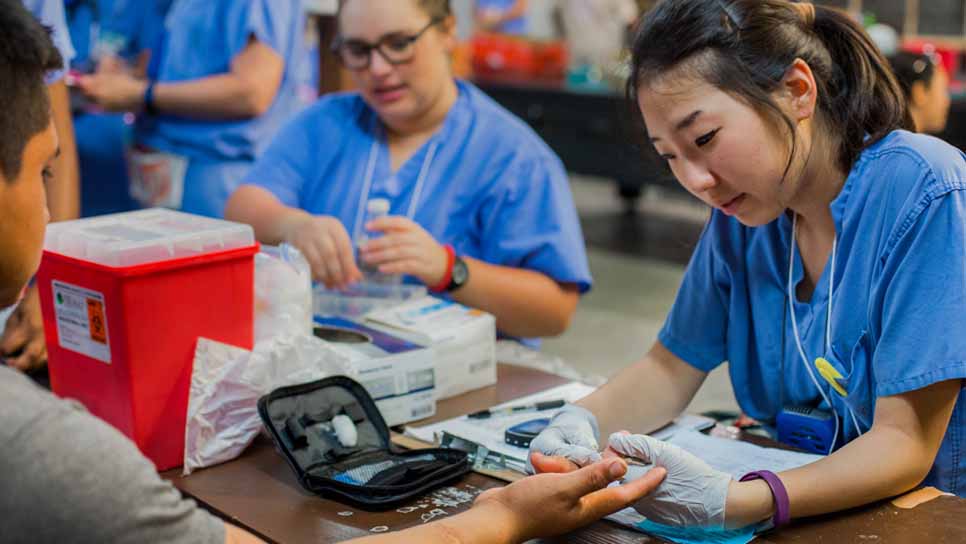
(375, 209)
(359, 299)
(145, 236)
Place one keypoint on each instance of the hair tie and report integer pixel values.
(806, 11)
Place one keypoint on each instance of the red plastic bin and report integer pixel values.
(145, 320)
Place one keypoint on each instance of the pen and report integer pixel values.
(510, 410)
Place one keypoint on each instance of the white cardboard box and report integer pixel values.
(397, 372)
(463, 340)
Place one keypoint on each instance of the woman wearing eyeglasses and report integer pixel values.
(479, 206)
(926, 86)
(219, 84)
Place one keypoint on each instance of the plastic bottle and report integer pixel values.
(375, 208)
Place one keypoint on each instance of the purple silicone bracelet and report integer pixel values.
(782, 507)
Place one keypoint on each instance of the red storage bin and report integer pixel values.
(121, 339)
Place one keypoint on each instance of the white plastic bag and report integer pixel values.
(283, 292)
(227, 382)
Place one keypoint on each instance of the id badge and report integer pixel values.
(156, 178)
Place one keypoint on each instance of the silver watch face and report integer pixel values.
(460, 273)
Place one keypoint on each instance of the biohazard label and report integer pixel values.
(81, 321)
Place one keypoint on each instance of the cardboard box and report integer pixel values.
(463, 340)
(397, 372)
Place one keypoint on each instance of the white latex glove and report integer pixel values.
(692, 495)
(572, 433)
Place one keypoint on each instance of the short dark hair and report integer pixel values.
(745, 48)
(27, 53)
(911, 68)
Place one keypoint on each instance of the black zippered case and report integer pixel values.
(370, 473)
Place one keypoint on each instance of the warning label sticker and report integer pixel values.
(81, 321)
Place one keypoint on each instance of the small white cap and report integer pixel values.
(345, 430)
(378, 206)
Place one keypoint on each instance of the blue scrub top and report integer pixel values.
(517, 26)
(51, 13)
(897, 307)
(201, 38)
(494, 190)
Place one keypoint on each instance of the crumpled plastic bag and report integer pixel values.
(227, 382)
(283, 292)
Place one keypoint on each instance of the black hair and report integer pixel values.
(436, 9)
(745, 48)
(27, 53)
(911, 68)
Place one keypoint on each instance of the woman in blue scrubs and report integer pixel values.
(831, 275)
(479, 205)
(218, 87)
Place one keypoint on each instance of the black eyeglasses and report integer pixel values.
(395, 48)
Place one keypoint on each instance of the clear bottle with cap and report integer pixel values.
(375, 209)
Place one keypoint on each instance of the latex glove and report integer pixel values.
(693, 494)
(405, 248)
(572, 434)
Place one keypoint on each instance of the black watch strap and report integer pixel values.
(459, 276)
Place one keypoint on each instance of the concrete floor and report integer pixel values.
(618, 320)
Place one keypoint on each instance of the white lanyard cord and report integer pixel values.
(370, 173)
(798, 340)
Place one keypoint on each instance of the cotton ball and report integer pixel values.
(345, 430)
(885, 37)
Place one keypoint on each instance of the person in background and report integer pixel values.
(22, 340)
(502, 16)
(480, 207)
(926, 86)
(219, 83)
(828, 276)
(66, 476)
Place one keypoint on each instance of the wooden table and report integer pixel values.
(259, 492)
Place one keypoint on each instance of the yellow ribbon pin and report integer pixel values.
(831, 375)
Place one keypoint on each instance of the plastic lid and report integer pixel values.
(378, 206)
(145, 236)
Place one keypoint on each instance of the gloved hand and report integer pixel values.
(692, 495)
(572, 433)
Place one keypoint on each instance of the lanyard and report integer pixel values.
(828, 327)
(367, 184)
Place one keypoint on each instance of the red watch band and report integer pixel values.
(448, 275)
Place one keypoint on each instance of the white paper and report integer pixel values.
(739, 458)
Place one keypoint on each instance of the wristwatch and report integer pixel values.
(458, 275)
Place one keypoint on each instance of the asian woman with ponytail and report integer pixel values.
(831, 275)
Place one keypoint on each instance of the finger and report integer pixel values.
(607, 501)
(311, 255)
(15, 337)
(33, 357)
(579, 455)
(405, 266)
(610, 453)
(546, 463)
(397, 223)
(641, 446)
(346, 254)
(330, 258)
(594, 477)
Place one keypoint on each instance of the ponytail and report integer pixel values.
(864, 97)
(745, 48)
